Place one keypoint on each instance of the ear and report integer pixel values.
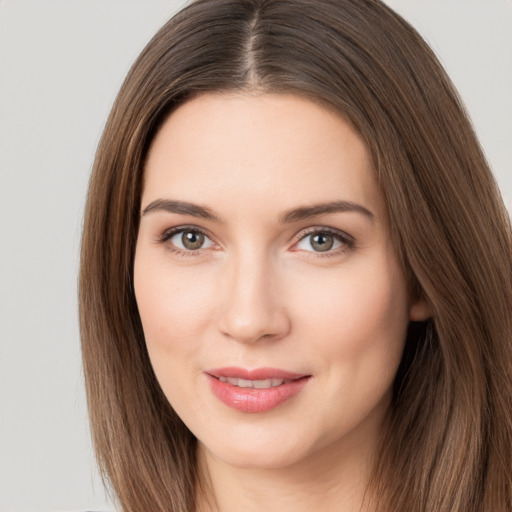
(420, 311)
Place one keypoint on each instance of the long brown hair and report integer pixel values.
(448, 443)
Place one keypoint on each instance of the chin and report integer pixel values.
(266, 451)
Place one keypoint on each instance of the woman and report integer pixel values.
(296, 272)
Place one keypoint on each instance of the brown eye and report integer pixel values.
(321, 242)
(190, 240)
(324, 241)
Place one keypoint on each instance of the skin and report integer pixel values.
(258, 293)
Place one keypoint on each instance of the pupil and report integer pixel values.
(322, 242)
(192, 240)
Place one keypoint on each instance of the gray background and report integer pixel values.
(61, 64)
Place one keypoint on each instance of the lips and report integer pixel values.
(255, 391)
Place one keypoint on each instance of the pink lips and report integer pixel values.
(255, 399)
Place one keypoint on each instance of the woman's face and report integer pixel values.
(272, 301)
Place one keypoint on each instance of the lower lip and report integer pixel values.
(252, 399)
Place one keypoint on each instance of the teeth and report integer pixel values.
(258, 384)
(242, 383)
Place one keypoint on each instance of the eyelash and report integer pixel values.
(347, 242)
(167, 235)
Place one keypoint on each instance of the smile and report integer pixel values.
(258, 384)
(255, 391)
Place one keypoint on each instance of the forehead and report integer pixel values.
(279, 147)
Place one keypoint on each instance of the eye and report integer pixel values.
(322, 241)
(189, 240)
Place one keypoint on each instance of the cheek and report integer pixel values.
(174, 306)
(174, 312)
(174, 303)
(362, 309)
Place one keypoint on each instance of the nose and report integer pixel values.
(252, 307)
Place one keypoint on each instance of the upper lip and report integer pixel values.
(255, 374)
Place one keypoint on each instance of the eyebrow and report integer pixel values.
(306, 212)
(180, 207)
(294, 215)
